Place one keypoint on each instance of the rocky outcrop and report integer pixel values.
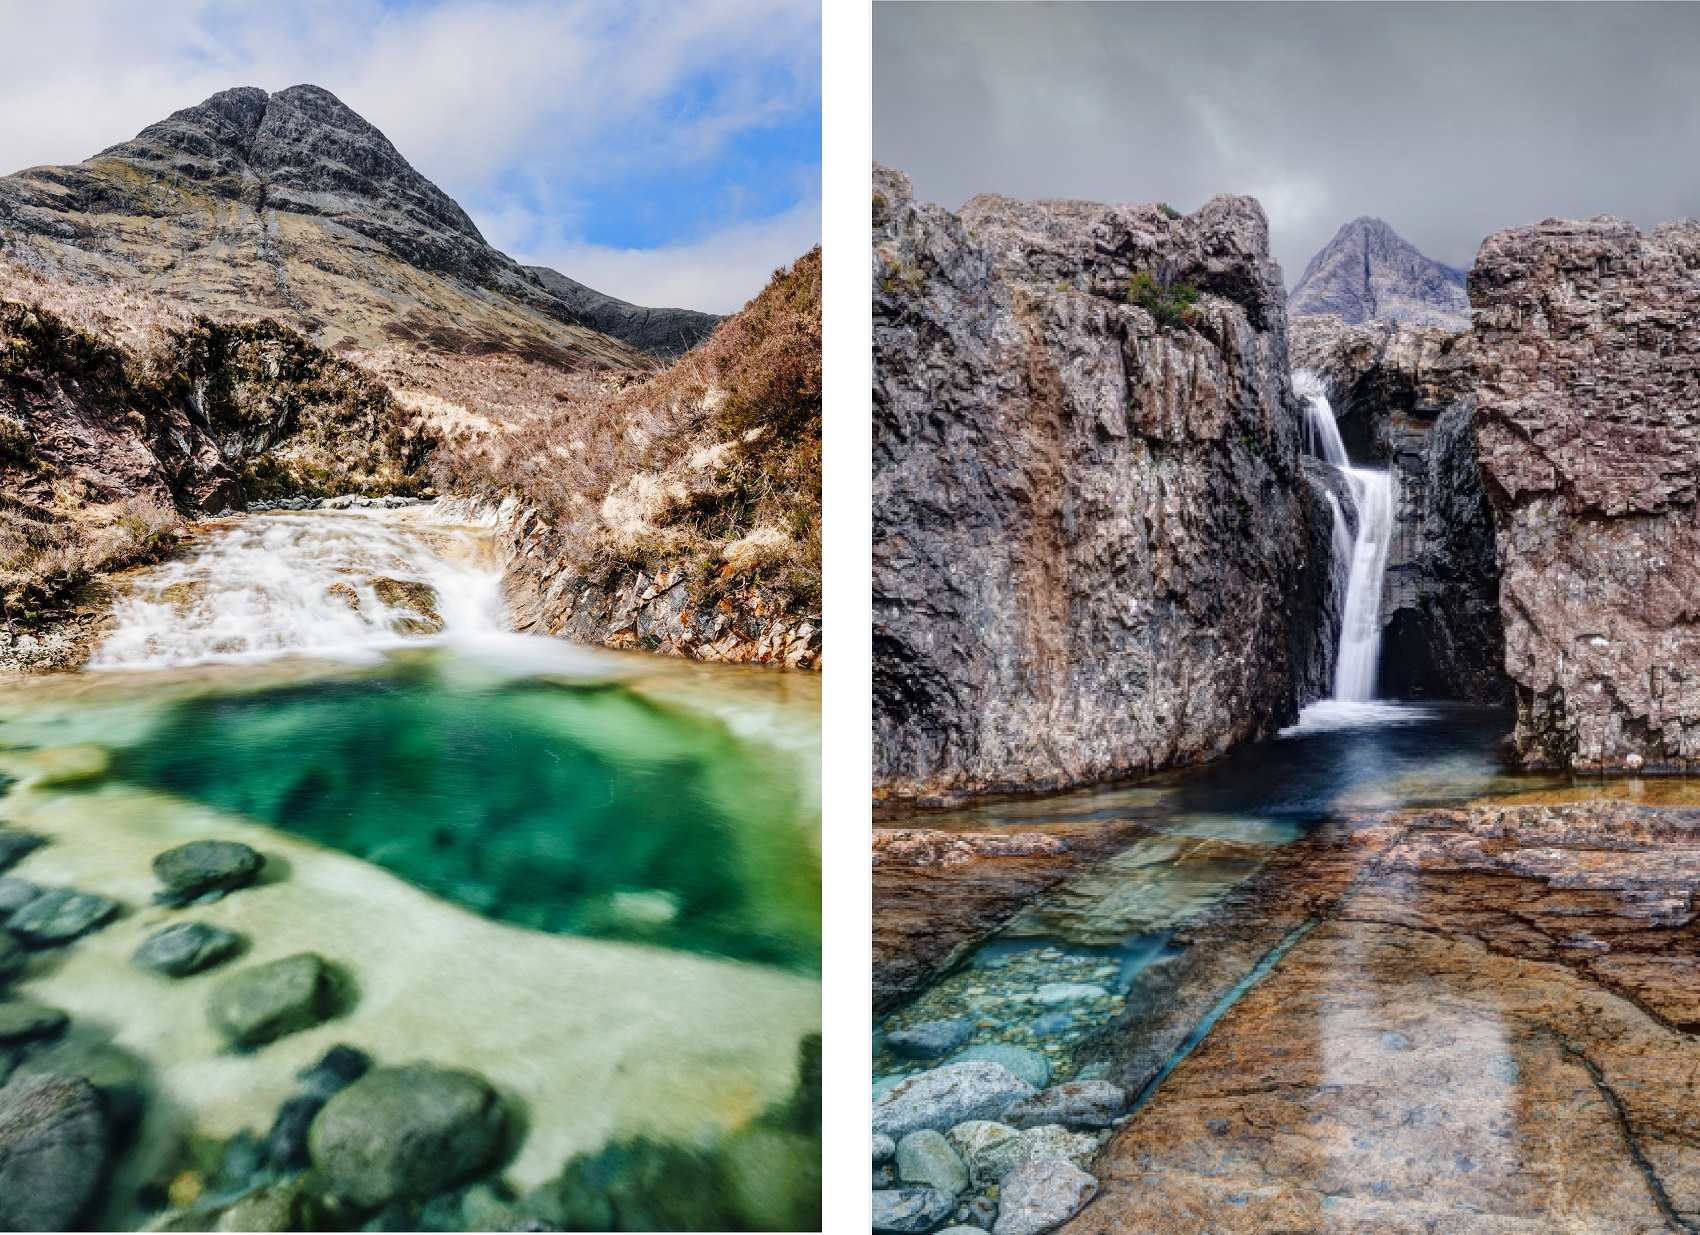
(1089, 513)
(1368, 272)
(1587, 338)
(1403, 399)
(291, 206)
(666, 333)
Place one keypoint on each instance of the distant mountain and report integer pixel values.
(1368, 272)
(667, 333)
(292, 206)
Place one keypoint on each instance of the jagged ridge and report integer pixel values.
(1368, 272)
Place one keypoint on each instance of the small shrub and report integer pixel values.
(1169, 212)
(1160, 295)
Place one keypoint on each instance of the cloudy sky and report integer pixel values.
(663, 151)
(1449, 121)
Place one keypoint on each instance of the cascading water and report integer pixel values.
(1359, 653)
(324, 583)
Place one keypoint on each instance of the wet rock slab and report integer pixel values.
(1476, 1021)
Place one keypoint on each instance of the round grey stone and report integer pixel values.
(925, 1157)
(59, 916)
(203, 866)
(1030, 1066)
(187, 947)
(24, 1020)
(1073, 1104)
(53, 1146)
(405, 1133)
(929, 1040)
(1040, 1195)
(911, 1211)
(254, 1006)
(943, 1097)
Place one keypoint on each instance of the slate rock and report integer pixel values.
(60, 915)
(255, 1006)
(1040, 1195)
(53, 1147)
(926, 1158)
(929, 1040)
(911, 1211)
(15, 846)
(1073, 1104)
(405, 1133)
(946, 1096)
(186, 948)
(1030, 1066)
(203, 866)
(24, 1020)
(15, 893)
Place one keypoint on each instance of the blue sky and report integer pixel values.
(664, 151)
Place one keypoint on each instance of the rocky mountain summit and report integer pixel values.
(1091, 523)
(1368, 272)
(292, 206)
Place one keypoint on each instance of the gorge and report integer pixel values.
(1362, 940)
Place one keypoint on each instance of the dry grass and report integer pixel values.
(47, 556)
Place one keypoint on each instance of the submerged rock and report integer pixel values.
(286, 1144)
(118, 1076)
(15, 893)
(22, 1020)
(186, 948)
(203, 866)
(256, 1005)
(911, 1211)
(929, 1040)
(53, 1147)
(59, 916)
(1040, 1195)
(925, 1157)
(1030, 1066)
(772, 1179)
(15, 846)
(405, 1133)
(1074, 1104)
(946, 1096)
(13, 958)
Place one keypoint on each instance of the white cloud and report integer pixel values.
(717, 274)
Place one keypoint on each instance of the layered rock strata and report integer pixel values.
(1588, 431)
(1403, 398)
(1475, 1021)
(1089, 514)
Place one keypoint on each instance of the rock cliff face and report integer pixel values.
(1403, 399)
(292, 206)
(666, 333)
(1368, 272)
(1090, 520)
(1588, 429)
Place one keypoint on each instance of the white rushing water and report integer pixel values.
(1359, 653)
(346, 584)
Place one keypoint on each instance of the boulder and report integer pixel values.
(186, 948)
(193, 870)
(254, 1006)
(992, 1159)
(929, 1040)
(1030, 1066)
(1073, 1104)
(946, 1096)
(53, 1147)
(405, 1133)
(15, 845)
(926, 1158)
(911, 1211)
(59, 916)
(23, 1020)
(1040, 1195)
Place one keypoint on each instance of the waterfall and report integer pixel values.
(1359, 653)
(346, 583)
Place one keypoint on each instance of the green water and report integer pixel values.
(583, 807)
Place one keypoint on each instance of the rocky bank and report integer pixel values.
(1091, 526)
(1587, 335)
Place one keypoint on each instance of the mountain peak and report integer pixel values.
(1368, 272)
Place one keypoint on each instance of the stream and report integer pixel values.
(591, 878)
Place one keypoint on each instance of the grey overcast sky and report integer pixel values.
(1448, 120)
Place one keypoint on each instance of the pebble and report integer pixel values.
(1073, 1104)
(911, 1211)
(1040, 1195)
(948, 1095)
(1052, 1024)
(59, 916)
(929, 1039)
(926, 1158)
(186, 948)
(1054, 993)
